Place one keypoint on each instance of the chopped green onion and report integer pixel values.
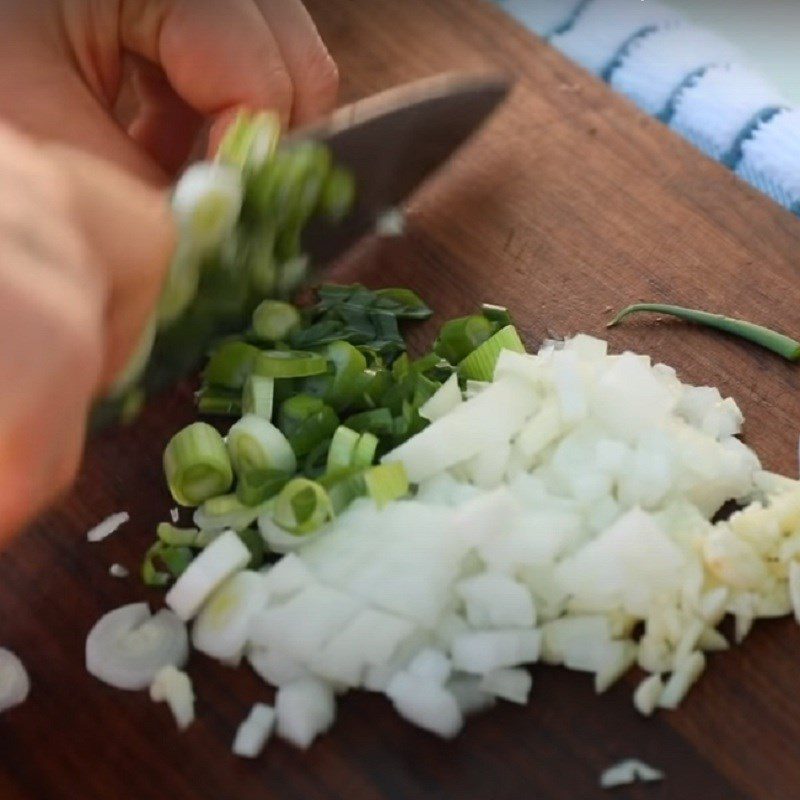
(274, 320)
(479, 365)
(386, 482)
(499, 315)
(255, 544)
(180, 286)
(289, 364)
(302, 507)
(258, 396)
(306, 421)
(344, 487)
(377, 421)
(225, 512)
(771, 340)
(460, 337)
(342, 450)
(231, 364)
(403, 303)
(175, 561)
(338, 195)
(259, 485)
(251, 140)
(214, 400)
(207, 202)
(365, 449)
(261, 264)
(177, 537)
(377, 381)
(196, 465)
(255, 444)
(291, 276)
(348, 378)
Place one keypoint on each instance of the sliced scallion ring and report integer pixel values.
(342, 450)
(275, 320)
(364, 453)
(169, 534)
(225, 512)
(289, 364)
(255, 443)
(256, 487)
(349, 377)
(231, 364)
(302, 507)
(197, 465)
(479, 365)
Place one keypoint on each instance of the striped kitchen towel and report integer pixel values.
(691, 79)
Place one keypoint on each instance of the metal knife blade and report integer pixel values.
(393, 141)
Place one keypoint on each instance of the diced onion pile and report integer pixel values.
(562, 512)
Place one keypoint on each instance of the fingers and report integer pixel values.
(311, 68)
(165, 126)
(131, 231)
(218, 55)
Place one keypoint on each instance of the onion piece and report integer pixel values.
(221, 628)
(304, 709)
(224, 556)
(627, 772)
(254, 732)
(426, 704)
(15, 685)
(129, 646)
(108, 526)
(174, 687)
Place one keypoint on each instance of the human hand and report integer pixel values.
(65, 63)
(83, 249)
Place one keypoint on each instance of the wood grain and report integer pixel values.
(569, 205)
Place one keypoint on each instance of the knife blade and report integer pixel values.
(392, 142)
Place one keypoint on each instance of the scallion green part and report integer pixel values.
(480, 364)
(765, 337)
(255, 544)
(259, 485)
(302, 507)
(289, 364)
(177, 537)
(164, 563)
(460, 337)
(342, 450)
(197, 465)
(251, 140)
(217, 401)
(231, 364)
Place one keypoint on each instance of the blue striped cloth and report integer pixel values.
(692, 80)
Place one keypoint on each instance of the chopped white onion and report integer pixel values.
(129, 646)
(118, 571)
(627, 772)
(304, 709)
(108, 526)
(513, 685)
(174, 687)
(254, 732)
(425, 703)
(222, 627)
(224, 556)
(15, 685)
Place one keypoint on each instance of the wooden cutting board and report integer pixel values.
(570, 204)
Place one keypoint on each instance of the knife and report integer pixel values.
(391, 143)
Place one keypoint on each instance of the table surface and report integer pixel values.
(570, 204)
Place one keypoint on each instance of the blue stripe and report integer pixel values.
(570, 21)
(734, 155)
(796, 208)
(668, 112)
(623, 49)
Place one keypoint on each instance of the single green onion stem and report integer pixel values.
(258, 396)
(342, 449)
(771, 340)
(196, 465)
